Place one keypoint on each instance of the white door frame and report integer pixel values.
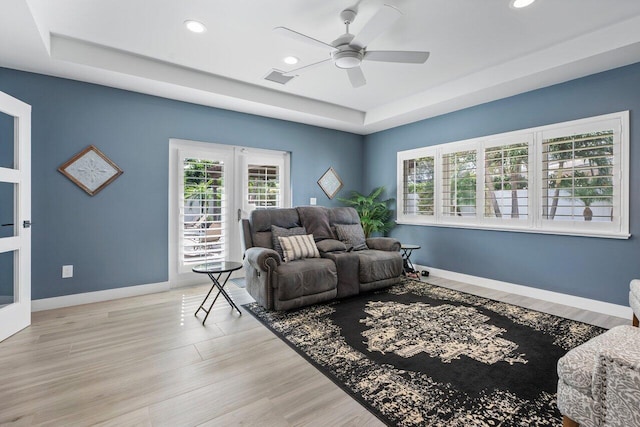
(17, 316)
(234, 184)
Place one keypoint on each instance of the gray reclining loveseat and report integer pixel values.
(345, 267)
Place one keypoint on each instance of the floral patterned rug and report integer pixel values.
(417, 354)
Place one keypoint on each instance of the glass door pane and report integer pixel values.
(204, 207)
(7, 278)
(7, 141)
(7, 210)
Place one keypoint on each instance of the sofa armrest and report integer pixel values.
(331, 245)
(616, 379)
(262, 259)
(620, 391)
(383, 244)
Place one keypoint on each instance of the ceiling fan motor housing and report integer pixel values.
(347, 58)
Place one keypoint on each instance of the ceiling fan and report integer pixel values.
(349, 50)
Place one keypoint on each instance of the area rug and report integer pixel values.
(417, 354)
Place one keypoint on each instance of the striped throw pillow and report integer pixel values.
(298, 247)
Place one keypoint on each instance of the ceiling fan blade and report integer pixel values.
(406, 57)
(356, 76)
(382, 20)
(297, 71)
(286, 32)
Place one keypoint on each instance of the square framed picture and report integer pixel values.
(330, 183)
(91, 170)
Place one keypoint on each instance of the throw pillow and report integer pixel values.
(316, 220)
(298, 247)
(352, 235)
(284, 232)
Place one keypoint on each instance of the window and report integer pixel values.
(567, 178)
(506, 182)
(577, 178)
(418, 182)
(459, 184)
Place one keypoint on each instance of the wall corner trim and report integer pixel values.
(602, 307)
(97, 296)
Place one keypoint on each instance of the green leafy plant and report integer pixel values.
(375, 215)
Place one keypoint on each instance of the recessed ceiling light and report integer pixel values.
(195, 26)
(291, 60)
(519, 4)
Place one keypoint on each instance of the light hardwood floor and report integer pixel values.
(148, 361)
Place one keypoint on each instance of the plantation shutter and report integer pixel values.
(418, 185)
(263, 190)
(459, 184)
(506, 181)
(203, 206)
(578, 172)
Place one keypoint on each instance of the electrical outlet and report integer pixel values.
(313, 201)
(67, 271)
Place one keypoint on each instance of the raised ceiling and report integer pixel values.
(480, 51)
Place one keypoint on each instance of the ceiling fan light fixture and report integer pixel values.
(347, 59)
(195, 26)
(519, 4)
(291, 60)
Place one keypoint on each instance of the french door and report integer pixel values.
(15, 214)
(212, 187)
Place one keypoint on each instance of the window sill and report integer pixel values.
(558, 232)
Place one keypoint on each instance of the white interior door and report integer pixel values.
(15, 215)
(211, 187)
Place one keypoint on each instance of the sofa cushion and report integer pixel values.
(298, 247)
(284, 232)
(305, 277)
(352, 235)
(379, 265)
(262, 219)
(343, 215)
(316, 220)
(331, 245)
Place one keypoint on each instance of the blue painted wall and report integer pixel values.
(588, 267)
(119, 237)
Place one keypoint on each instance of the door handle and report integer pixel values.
(239, 214)
(7, 225)
(26, 224)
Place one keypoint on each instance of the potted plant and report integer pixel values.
(375, 215)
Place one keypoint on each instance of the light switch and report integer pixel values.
(67, 271)
(312, 201)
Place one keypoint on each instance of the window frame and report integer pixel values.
(535, 223)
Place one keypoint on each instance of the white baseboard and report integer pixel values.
(97, 296)
(610, 309)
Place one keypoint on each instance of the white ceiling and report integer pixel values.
(480, 51)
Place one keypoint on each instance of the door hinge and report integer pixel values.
(26, 224)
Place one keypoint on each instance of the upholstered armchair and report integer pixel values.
(634, 299)
(599, 381)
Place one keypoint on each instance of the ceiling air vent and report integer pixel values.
(278, 77)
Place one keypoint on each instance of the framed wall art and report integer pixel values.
(330, 183)
(90, 170)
